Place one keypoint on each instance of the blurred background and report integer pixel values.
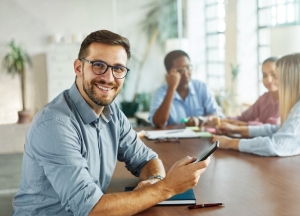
(227, 41)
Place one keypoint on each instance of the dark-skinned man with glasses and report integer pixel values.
(181, 97)
(73, 144)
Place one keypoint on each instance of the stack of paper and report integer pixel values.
(177, 133)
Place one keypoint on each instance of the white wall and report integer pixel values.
(247, 51)
(285, 40)
(32, 22)
(196, 36)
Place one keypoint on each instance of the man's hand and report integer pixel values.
(173, 79)
(226, 142)
(184, 174)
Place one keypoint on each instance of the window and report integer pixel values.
(215, 43)
(273, 13)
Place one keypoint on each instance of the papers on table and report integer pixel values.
(204, 134)
(176, 133)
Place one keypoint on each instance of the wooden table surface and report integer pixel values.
(246, 183)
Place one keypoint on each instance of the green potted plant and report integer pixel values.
(159, 25)
(129, 107)
(14, 62)
(226, 98)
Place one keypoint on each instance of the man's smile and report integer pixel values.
(104, 88)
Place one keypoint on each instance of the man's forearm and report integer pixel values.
(129, 203)
(153, 167)
(162, 113)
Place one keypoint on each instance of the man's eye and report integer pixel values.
(179, 70)
(119, 69)
(99, 65)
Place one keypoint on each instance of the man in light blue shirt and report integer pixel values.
(73, 144)
(181, 97)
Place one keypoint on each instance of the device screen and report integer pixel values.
(205, 154)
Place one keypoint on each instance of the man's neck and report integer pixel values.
(183, 90)
(97, 109)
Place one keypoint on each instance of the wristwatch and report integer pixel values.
(156, 176)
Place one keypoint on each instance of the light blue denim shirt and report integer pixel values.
(70, 155)
(198, 102)
(273, 140)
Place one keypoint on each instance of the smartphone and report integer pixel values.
(207, 152)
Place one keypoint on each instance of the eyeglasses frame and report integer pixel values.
(108, 66)
(189, 68)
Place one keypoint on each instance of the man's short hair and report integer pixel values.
(171, 56)
(104, 37)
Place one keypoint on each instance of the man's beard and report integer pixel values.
(89, 90)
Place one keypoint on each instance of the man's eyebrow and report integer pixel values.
(117, 64)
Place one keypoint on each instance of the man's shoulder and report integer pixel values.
(58, 109)
(198, 86)
(160, 91)
(195, 82)
(163, 87)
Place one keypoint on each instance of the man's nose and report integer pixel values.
(184, 70)
(108, 75)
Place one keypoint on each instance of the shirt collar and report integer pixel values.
(191, 90)
(86, 112)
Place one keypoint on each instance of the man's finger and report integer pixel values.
(186, 160)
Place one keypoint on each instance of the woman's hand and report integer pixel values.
(226, 142)
(227, 128)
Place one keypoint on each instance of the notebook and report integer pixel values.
(186, 198)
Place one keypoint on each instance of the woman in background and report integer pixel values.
(273, 140)
(266, 109)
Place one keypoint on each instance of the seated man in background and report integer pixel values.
(181, 97)
(73, 144)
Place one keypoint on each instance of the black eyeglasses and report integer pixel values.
(187, 67)
(162, 140)
(98, 67)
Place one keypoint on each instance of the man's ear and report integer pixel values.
(78, 67)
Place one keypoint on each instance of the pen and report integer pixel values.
(205, 205)
(218, 118)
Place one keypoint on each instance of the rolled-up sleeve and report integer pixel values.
(156, 101)
(262, 130)
(56, 147)
(275, 141)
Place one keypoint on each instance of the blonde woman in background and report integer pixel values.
(273, 140)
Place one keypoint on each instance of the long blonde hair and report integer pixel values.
(289, 83)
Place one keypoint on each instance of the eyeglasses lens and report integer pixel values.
(118, 71)
(187, 68)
